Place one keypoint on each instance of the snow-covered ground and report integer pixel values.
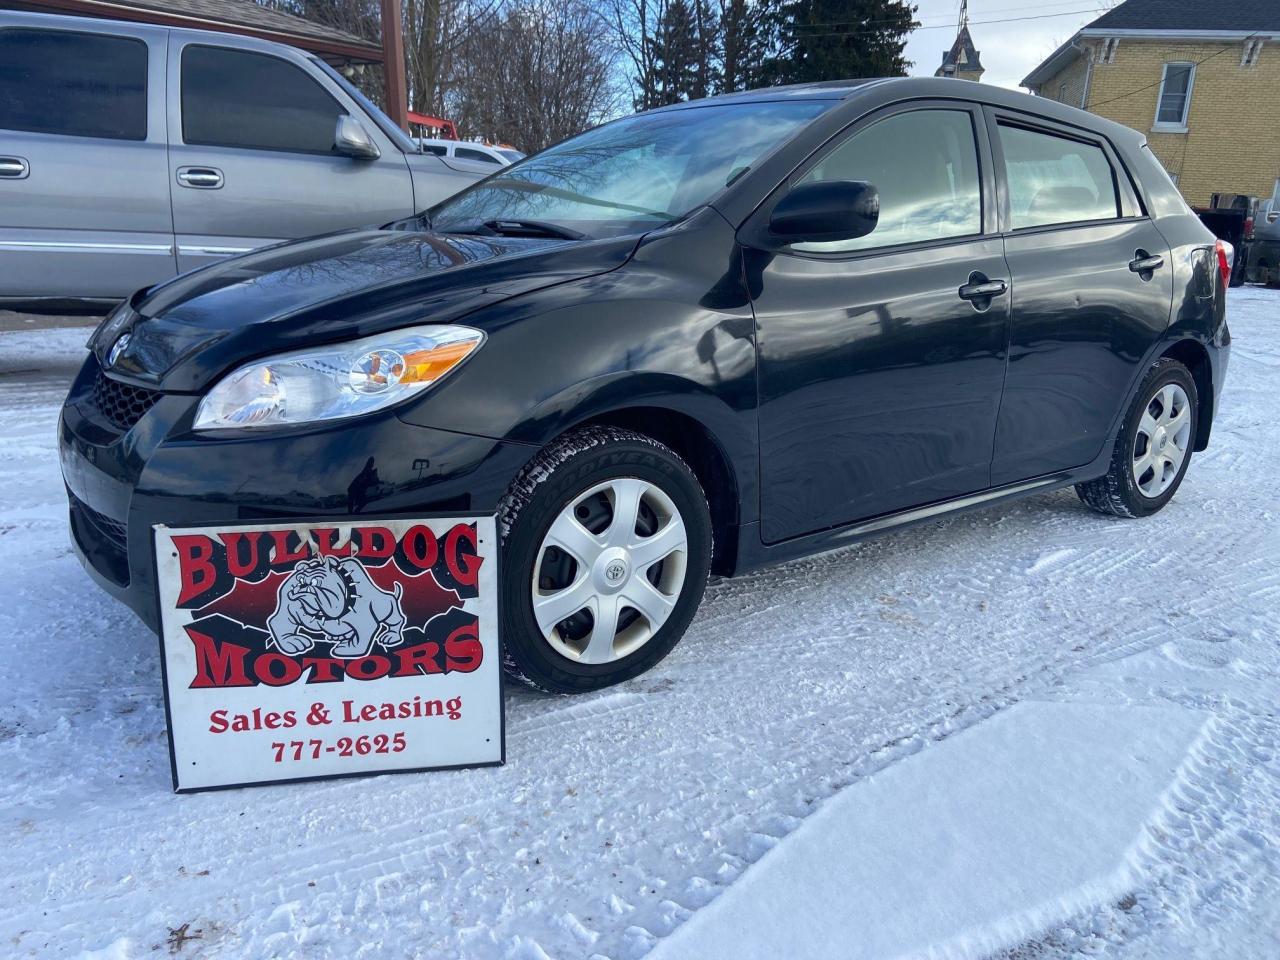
(1033, 732)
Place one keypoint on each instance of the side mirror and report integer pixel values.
(351, 139)
(826, 211)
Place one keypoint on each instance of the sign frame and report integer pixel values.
(333, 521)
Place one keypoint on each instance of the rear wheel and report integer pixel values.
(1153, 450)
(606, 548)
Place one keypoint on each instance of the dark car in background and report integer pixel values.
(701, 339)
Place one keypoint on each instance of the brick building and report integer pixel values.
(1201, 80)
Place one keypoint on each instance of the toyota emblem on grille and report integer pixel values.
(117, 348)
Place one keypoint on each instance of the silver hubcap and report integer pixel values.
(1164, 433)
(626, 567)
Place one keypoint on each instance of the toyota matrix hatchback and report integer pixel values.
(697, 340)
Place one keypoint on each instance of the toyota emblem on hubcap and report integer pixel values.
(615, 571)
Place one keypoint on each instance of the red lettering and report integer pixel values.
(325, 537)
(237, 566)
(218, 721)
(465, 568)
(369, 668)
(218, 666)
(463, 650)
(420, 547)
(282, 554)
(323, 669)
(277, 670)
(195, 553)
(419, 659)
(376, 543)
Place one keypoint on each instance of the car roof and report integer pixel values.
(918, 88)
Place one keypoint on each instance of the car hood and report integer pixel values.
(186, 332)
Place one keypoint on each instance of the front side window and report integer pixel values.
(924, 165)
(1175, 95)
(73, 84)
(632, 174)
(1056, 179)
(236, 98)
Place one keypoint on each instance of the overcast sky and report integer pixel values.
(1009, 50)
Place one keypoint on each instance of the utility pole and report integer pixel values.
(393, 64)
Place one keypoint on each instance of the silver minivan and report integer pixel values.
(130, 153)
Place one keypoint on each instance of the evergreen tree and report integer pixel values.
(747, 31)
(841, 39)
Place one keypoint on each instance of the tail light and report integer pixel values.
(1225, 255)
(1248, 228)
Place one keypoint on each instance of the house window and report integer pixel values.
(1175, 96)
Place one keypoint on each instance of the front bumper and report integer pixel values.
(122, 482)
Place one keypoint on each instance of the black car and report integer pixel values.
(696, 340)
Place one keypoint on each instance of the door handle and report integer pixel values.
(1144, 264)
(201, 178)
(979, 288)
(14, 168)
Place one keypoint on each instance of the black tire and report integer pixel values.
(1117, 492)
(551, 481)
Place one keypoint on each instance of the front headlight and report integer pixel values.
(339, 380)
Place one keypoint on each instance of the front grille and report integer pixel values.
(113, 530)
(121, 403)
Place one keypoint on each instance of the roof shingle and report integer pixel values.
(1191, 15)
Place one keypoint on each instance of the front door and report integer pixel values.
(84, 192)
(252, 158)
(882, 358)
(1092, 289)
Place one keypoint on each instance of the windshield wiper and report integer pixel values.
(506, 227)
(532, 228)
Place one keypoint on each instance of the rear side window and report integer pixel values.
(236, 98)
(435, 148)
(924, 165)
(464, 153)
(73, 84)
(1056, 179)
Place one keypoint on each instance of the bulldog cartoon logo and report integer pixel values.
(332, 599)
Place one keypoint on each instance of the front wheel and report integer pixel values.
(1153, 450)
(606, 551)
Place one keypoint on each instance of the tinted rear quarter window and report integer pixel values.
(1056, 179)
(463, 153)
(73, 84)
(237, 98)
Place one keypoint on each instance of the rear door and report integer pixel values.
(84, 196)
(1092, 289)
(252, 159)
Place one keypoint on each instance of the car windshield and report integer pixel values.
(632, 174)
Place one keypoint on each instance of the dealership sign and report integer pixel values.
(302, 650)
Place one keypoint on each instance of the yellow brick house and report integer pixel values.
(1201, 79)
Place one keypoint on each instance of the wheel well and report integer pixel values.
(1195, 358)
(698, 447)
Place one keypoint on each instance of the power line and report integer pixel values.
(941, 26)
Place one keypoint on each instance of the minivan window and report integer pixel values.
(73, 84)
(924, 164)
(1056, 179)
(254, 101)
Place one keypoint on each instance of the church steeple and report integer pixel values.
(962, 61)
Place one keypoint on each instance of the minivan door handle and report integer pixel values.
(1144, 264)
(979, 290)
(201, 178)
(14, 168)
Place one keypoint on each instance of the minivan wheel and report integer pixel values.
(606, 552)
(1153, 450)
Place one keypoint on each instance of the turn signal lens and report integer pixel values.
(336, 381)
